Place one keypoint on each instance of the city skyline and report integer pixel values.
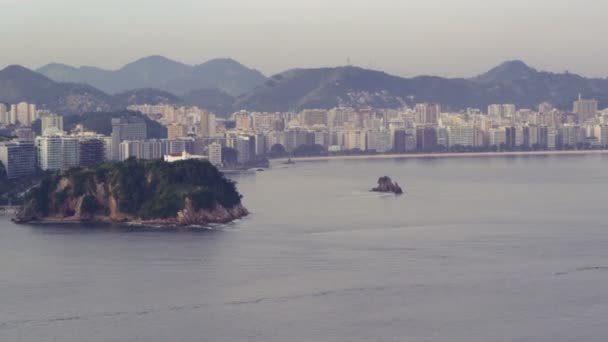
(395, 37)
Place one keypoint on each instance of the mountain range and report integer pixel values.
(162, 73)
(296, 89)
(511, 82)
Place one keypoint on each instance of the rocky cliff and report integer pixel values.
(182, 193)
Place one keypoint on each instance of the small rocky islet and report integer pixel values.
(386, 185)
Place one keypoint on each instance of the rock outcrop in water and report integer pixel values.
(183, 193)
(385, 184)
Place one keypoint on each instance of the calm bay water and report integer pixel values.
(480, 249)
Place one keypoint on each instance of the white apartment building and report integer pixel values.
(58, 152)
(462, 136)
(215, 154)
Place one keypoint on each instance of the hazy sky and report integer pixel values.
(406, 37)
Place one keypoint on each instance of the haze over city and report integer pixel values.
(436, 37)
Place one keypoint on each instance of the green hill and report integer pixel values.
(182, 193)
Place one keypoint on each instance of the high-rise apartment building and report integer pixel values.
(495, 111)
(427, 113)
(50, 152)
(509, 110)
(355, 140)
(4, 115)
(399, 140)
(92, 152)
(176, 131)
(207, 126)
(19, 159)
(498, 137)
(215, 153)
(243, 121)
(127, 128)
(58, 152)
(243, 148)
(51, 123)
(510, 138)
(25, 113)
(585, 109)
(462, 136)
(426, 138)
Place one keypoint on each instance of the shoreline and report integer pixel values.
(446, 155)
(183, 219)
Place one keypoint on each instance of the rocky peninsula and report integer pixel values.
(191, 192)
(385, 184)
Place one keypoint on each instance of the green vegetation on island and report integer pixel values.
(181, 193)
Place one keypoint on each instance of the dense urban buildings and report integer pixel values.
(425, 127)
(248, 136)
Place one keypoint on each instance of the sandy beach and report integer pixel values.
(447, 155)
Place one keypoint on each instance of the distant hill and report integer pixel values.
(350, 86)
(145, 96)
(19, 84)
(162, 73)
(213, 100)
(507, 72)
(515, 82)
(510, 82)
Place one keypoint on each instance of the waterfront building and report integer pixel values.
(399, 140)
(379, 140)
(18, 158)
(58, 152)
(510, 138)
(355, 140)
(462, 136)
(498, 137)
(443, 136)
(426, 138)
(50, 152)
(92, 152)
(70, 151)
(243, 148)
